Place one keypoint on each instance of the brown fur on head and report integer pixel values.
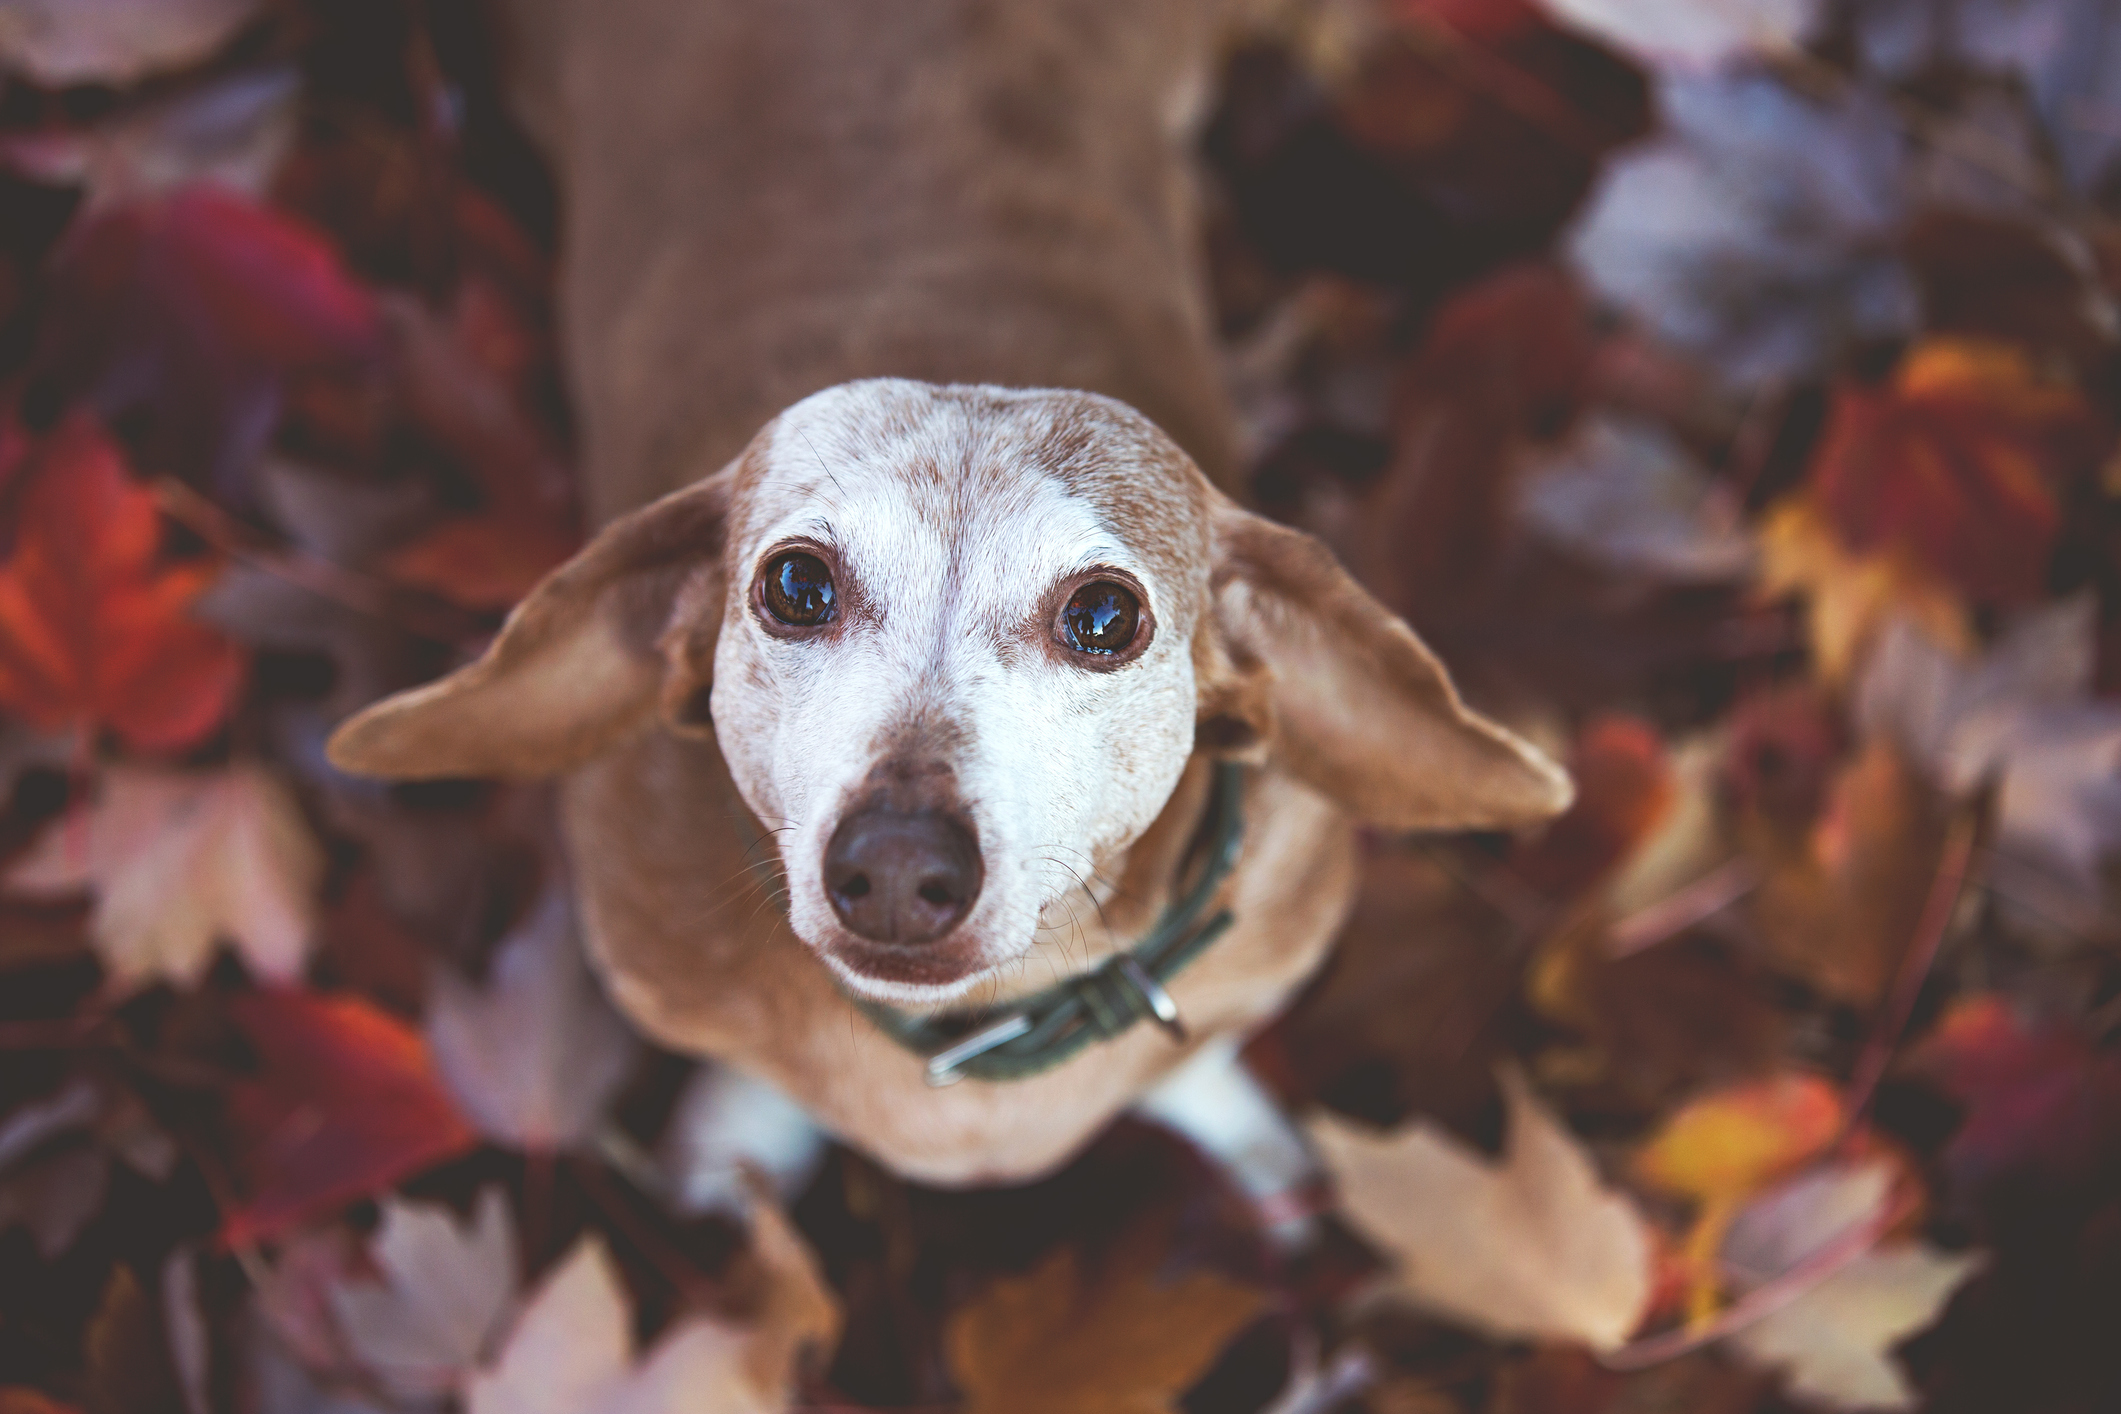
(955, 525)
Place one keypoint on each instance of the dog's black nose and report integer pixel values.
(902, 876)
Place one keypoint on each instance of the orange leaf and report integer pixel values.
(483, 562)
(1623, 789)
(1734, 1141)
(1958, 461)
(92, 628)
(344, 1103)
(20, 1399)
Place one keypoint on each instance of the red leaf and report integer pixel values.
(1959, 460)
(2043, 1106)
(345, 1103)
(200, 303)
(92, 628)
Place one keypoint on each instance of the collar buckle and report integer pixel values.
(942, 1068)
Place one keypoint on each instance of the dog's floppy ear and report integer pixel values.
(1345, 696)
(579, 663)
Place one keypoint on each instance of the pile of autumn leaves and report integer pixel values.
(1871, 868)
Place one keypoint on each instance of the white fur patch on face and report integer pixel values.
(951, 519)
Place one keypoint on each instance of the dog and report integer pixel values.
(916, 602)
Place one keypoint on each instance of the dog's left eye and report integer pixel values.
(1100, 617)
(798, 590)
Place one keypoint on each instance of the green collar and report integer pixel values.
(1038, 1032)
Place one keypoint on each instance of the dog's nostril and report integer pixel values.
(902, 877)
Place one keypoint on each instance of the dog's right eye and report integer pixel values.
(798, 590)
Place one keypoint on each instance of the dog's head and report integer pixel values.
(957, 645)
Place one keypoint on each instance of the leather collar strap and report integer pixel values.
(1038, 1032)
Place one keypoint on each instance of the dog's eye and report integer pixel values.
(1100, 618)
(798, 590)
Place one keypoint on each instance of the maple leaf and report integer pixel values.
(59, 43)
(92, 626)
(344, 1104)
(1062, 1339)
(1756, 229)
(571, 1351)
(2020, 715)
(200, 304)
(1957, 461)
(1688, 32)
(446, 1291)
(1848, 596)
(1831, 1339)
(1532, 1246)
(534, 1056)
(178, 861)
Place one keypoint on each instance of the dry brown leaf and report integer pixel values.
(1063, 1340)
(1530, 1246)
(1840, 912)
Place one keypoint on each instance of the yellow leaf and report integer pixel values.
(1064, 1340)
(1731, 1143)
(1847, 595)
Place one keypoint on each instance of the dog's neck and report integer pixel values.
(786, 197)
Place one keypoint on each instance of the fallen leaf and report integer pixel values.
(19, 1399)
(1958, 461)
(2021, 717)
(571, 1352)
(180, 862)
(1112, 1337)
(92, 625)
(344, 1104)
(447, 1288)
(535, 1055)
(2064, 52)
(2043, 1107)
(1833, 1339)
(484, 562)
(1623, 790)
(1700, 33)
(1848, 596)
(58, 43)
(196, 307)
(1756, 230)
(233, 131)
(1531, 1246)
(1626, 493)
(1840, 908)
(1729, 1144)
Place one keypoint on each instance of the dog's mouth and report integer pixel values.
(930, 974)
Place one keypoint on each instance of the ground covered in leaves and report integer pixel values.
(1728, 391)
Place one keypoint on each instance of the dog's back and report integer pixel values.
(766, 199)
